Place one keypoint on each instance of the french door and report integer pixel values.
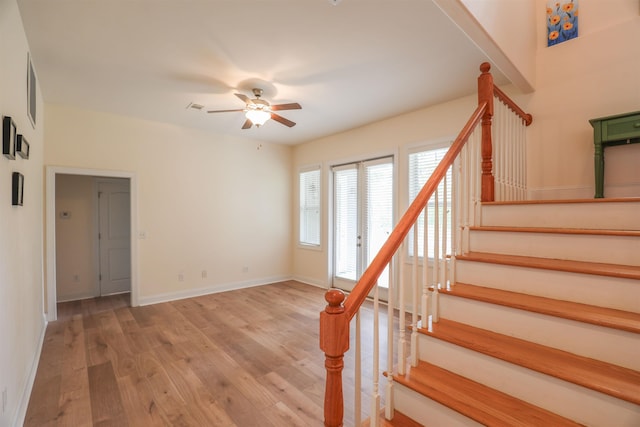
(362, 218)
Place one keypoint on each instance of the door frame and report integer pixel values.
(330, 203)
(50, 218)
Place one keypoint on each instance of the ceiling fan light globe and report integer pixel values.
(258, 117)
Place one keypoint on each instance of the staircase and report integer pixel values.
(541, 328)
(528, 316)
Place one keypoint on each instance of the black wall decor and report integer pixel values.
(17, 185)
(22, 147)
(8, 137)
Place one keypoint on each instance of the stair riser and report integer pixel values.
(558, 396)
(578, 247)
(579, 338)
(612, 292)
(428, 412)
(595, 216)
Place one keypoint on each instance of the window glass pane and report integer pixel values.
(379, 211)
(421, 166)
(346, 223)
(310, 207)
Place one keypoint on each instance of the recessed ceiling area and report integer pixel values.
(348, 64)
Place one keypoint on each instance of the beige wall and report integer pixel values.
(21, 320)
(592, 76)
(215, 204)
(206, 203)
(393, 136)
(512, 25)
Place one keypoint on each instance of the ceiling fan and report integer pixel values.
(258, 111)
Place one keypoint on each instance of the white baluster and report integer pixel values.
(445, 234)
(465, 196)
(436, 256)
(389, 406)
(425, 270)
(375, 398)
(436, 237)
(415, 298)
(357, 403)
(401, 319)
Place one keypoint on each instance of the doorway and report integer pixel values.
(93, 249)
(362, 218)
(127, 259)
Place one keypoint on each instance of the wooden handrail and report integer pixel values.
(528, 118)
(395, 239)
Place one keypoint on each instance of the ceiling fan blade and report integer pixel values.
(282, 120)
(225, 111)
(244, 98)
(247, 124)
(292, 106)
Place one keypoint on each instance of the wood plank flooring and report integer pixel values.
(243, 358)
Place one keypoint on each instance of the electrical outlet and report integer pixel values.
(204, 274)
(180, 277)
(245, 269)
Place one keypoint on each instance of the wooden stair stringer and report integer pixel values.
(474, 400)
(613, 380)
(600, 316)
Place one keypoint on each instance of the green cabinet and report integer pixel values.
(609, 131)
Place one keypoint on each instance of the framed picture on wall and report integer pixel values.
(562, 21)
(17, 193)
(22, 147)
(8, 137)
(31, 92)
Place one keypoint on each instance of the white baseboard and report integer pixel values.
(190, 293)
(623, 190)
(561, 193)
(21, 413)
(584, 192)
(311, 281)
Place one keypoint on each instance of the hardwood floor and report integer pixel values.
(243, 358)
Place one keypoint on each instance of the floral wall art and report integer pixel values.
(562, 21)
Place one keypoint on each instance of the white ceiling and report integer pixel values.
(347, 65)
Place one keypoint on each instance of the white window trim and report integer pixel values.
(300, 244)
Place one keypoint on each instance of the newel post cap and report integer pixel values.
(334, 324)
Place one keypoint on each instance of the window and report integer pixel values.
(421, 166)
(310, 207)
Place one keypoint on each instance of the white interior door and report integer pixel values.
(363, 218)
(114, 237)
